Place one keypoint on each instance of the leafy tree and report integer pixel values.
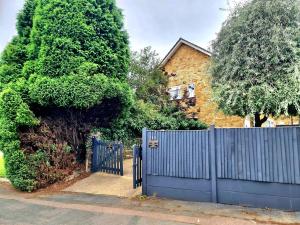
(152, 108)
(146, 77)
(256, 60)
(61, 76)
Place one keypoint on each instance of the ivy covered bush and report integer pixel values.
(63, 74)
(147, 115)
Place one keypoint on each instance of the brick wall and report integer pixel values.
(190, 66)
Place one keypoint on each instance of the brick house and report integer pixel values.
(187, 67)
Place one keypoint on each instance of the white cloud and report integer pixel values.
(158, 23)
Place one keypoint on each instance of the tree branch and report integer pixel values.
(264, 119)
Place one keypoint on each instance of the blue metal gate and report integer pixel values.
(137, 166)
(107, 157)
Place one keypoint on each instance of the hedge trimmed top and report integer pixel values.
(66, 34)
(64, 47)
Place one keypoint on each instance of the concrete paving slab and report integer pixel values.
(4, 180)
(108, 184)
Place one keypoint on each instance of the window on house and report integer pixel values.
(247, 122)
(270, 123)
(191, 91)
(175, 93)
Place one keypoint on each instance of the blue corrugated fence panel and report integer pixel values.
(179, 154)
(259, 154)
(255, 154)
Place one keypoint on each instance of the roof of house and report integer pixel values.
(176, 47)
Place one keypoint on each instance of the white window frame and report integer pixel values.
(247, 122)
(191, 90)
(270, 123)
(175, 93)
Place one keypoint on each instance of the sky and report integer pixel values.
(156, 23)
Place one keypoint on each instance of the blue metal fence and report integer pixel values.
(268, 154)
(249, 166)
(179, 154)
(137, 166)
(107, 157)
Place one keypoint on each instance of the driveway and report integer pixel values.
(108, 184)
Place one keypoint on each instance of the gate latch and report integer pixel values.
(153, 144)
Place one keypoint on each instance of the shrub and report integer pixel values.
(146, 115)
(63, 74)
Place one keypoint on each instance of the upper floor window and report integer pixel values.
(270, 123)
(191, 91)
(175, 93)
(247, 122)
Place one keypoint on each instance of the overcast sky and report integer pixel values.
(158, 23)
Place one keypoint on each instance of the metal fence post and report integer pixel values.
(213, 164)
(144, 162)
(94, 154)
(121, 160)
(134, 167)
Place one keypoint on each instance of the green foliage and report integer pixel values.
(70, 56)
(15, 54)
(25, 19)
(148, 115)
(256, 59)
(20, 171)
(68, 91)
(91, 32)
(25, 116)
(146, 77)
(14, 109)
(152, 109)
(12, 61)
(64, 74)
(15, 112)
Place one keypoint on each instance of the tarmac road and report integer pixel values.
(61, 208)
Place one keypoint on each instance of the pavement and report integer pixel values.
(77, 208)
(108, 184)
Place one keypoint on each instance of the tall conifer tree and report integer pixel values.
(63, 74)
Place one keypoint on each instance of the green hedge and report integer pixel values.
(67, 56)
